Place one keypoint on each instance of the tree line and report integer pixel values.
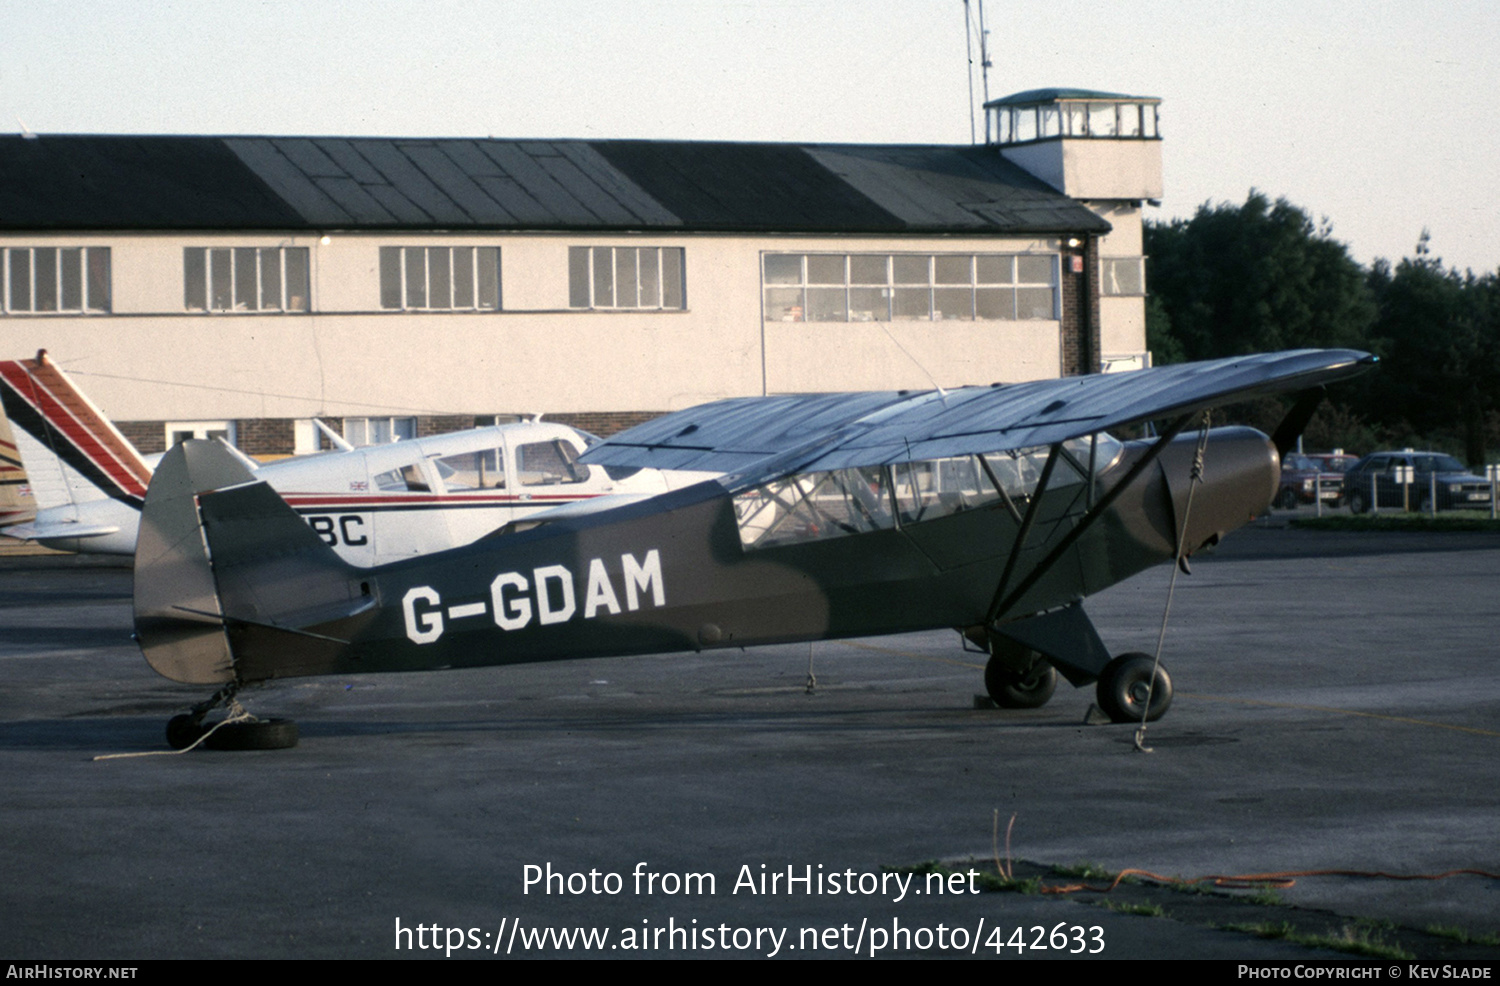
(1262, 276)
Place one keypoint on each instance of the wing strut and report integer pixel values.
(1025, 531)
(999, 488)
(1000, 606)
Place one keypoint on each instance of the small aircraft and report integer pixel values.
(371, 505)
(991, 510)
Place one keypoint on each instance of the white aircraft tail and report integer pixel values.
(17, 503)
(40, 399)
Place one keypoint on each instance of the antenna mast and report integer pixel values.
(984, 66)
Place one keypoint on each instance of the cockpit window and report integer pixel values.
(472, 471)
(549, 463)
(405, 479)
(812, 506)
(939, 487)
(820, 505)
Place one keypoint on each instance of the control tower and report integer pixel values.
(1104, 150)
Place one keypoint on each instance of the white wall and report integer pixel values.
(151, 359)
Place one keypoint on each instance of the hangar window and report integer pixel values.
(631, 278)
(245, 279)
(180, 431)
(909, 287)
(1122, 275)
(443, 278)
(378, 431)
(46, 280)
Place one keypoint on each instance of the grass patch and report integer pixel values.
(1086, 871)
(1265, 897)
(1353, 940)
(1140, 910)
(1462, 936)
(1447, 521)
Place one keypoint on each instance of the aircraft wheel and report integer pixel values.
(183, 731)
(254, 734)
(1011, 690)
(1288, 499)
(1357, 503)
(1124, 685)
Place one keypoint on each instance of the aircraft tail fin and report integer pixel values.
(17, 503)
(230, 584)
(39, 398)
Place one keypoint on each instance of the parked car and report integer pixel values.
(1372, 482)
(1306, 477)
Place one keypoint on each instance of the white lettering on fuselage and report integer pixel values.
(549, 596)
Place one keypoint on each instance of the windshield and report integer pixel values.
(1439, 463)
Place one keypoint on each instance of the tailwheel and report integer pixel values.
(1125, 686)
(239, 730)
(184, 730)
(1016, 677)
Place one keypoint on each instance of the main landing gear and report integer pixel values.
(1125, 686)
(238, 730)
(1019, 678)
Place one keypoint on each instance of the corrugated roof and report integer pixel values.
(117, 182)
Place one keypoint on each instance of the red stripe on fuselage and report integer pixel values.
(302, 501)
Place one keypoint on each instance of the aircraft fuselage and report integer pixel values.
(676, 573)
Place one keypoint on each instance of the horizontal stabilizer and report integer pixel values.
(58, 531)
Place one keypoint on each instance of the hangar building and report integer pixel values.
(391, 286)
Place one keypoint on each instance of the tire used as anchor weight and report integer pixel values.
(254, 734)
(1126, 682)
(183, 731)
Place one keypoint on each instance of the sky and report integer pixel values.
(1367, 114)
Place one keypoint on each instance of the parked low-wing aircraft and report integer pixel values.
(991, 510)
(372, 504)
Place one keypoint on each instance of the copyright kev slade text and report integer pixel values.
(1373, 971)
(864, 936)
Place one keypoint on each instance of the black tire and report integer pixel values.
(1357, 503)
(1020, 691)
(254, 734)
(1123, 686)
(183, 731)
(1288, 499)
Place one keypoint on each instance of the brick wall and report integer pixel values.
(264, 436)
(603, 423)
(148, 437)
(1080, 309)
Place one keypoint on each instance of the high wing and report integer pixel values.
(806, 433)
